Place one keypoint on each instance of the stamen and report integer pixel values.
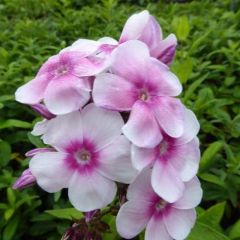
(160, 205)
(143, 95)
(62, 70)
(83, 156)
(163, 147)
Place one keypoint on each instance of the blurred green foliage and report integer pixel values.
(207, 63)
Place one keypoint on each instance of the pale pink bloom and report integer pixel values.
(174, 160)
(26, 180)
(62, 82)
(90, 155)
(144, 86)
(162, 220)
(144, 27)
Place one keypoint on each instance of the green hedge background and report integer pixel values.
(207, 63)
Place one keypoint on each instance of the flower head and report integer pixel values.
(145, 209)
(140, 83)
(90, 155)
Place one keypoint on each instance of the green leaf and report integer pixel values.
(208, 177)
(203, 231)
(10, 123)
(208, 155)
(5, 153)
(67, 213)
(8, 213)
(11, 196)
(11, 228)
(182, 27)
(235, 231)
(36, 141)
(213, 215)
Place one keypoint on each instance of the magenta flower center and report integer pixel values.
(143, 95)
(83, 156)
(62, 70)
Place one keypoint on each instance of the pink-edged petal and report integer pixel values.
(100, 125)
(134, 26)
(115, 161)
(113, 92)
(89, 191)
(65, 95)
(142, 128)
(192, 195)
(40, 128)
(141, 188)
(35, 151)
(50, 171)
(166, 49)
(169, 113)
(49, 67)
(142, 157)
(128, 60)
(71, 127)
(191, 128)
(179, 222)
(164, 82)
(132, 218)
(33, 91)
(156, 230)
(186, 159)
(166, 181)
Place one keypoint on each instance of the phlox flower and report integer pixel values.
(141, 84)
(90, 154)
(25, 180)
(174, 160)
(62, 82)
(162, 220)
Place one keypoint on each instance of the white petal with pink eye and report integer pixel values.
(166, 49)
(155, 229)
(50, 171)
(192, 195)
(101, 126)
(113, 92)
(170, 115)
(128, 60)
(134, 26)
(132, 218)
(166, 181)
(65, 95)
(186, 159)
(142, 128)
(60, 131)
(191, 128)
(179, 222)
(40, 128)
(115, 161)
(167, 83)
(33, 91)
(142, 157)
(89, 191)
(141, 188)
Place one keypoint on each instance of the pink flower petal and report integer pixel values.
(49, 170)
(191, 128)
(35, 151)
(141, 188)
(40, 128)
(192, 195)
(142, 157)
(166, 49)
(59, 131)
(49, 67)
(108, 92)
(115, 161)
(179, 222)
(101, 126)
(142, 128)
(156, 230)
(165, 82)
(186, 159)
(129, 60)
(166, 181)
(132, 218)
(33, 91)
(134, 26)
(65, 95)
(170, 115)
(89, 191)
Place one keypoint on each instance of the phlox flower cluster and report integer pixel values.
(111, 115)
